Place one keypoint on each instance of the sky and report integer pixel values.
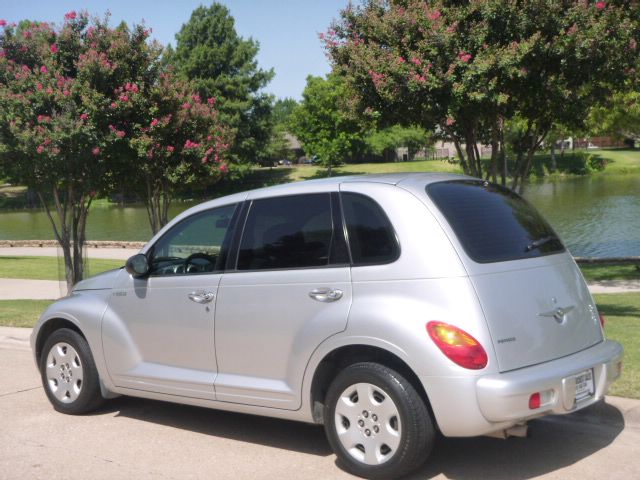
(287, 30)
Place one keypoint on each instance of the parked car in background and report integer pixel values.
(385, 307)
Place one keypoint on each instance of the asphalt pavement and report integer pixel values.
(135, 438)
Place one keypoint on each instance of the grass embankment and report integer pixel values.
(49, 268)
(596, 273)
(622, 312)
(21, 313)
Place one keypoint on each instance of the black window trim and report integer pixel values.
(396, 244)
(234, 251)
(230, 231)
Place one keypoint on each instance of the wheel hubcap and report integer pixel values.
(368, 423)
(64, 372)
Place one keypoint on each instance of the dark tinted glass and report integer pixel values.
(493, 223)
(371, 236)
(287, 232)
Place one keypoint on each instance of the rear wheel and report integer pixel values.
(376, 422)
(69, 374)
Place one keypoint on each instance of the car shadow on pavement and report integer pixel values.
(270, 432)
(554, 442)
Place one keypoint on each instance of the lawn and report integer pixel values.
(622, 312)
(595, 273)
(21, 313)
(49, 268)
(619, 161)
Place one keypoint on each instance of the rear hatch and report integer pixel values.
(536, 303)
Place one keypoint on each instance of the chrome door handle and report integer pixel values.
(326, 294)
(201, 297)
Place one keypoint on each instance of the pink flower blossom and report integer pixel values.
(25, 69)
(124, 98)
(170, 148)
(400, 60)
(154, 122)
(96, 151)
(26, 34)
(53, 48)
(43, 69)
(450, 121)
(39, 87)
(47, 141)
(601, 5)
(2, 54)
(211, 100)
(66, 93)
(464, 57)
(84, 116)
(416, 61)
(434, 15)
(196, 98)
(40, 149)
(120, 134)
(189, 144)
(49, 90)
(224, 168)
(42, 118)
(3, 22)
(205, 159)
(186, 105)
(113, 105)
(70, 15)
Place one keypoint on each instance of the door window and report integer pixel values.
(198, 244)
(289, 232)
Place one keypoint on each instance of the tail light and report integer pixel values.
(602, 320)
(458, 346)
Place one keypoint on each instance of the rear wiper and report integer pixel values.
(539, 242)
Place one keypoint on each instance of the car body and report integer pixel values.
(300, 282)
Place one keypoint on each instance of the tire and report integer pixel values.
(388, 434)
(69, 375)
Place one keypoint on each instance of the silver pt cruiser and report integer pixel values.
(385, 307)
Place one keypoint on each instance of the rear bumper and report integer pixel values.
(490, 403)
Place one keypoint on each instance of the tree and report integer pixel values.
(466, 67)
(54, 86)
(282, 110)
(384, 142)
(86, 107)
(323, 125)
(619, 117)
(222, 65)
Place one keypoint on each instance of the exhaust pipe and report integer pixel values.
(519, 430)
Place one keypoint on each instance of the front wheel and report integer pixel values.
(376, 422)
(69, 374)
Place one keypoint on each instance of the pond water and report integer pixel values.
(596, 216)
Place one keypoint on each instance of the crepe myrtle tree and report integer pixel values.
(172, 138)
(463, 68)
(61, 124)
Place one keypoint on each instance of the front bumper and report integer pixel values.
(485, 404)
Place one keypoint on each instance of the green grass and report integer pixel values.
(594, 273)
(622, 312)
(21, 313)
(49, 268)
(619, 161)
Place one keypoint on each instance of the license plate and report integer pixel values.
(584, 385)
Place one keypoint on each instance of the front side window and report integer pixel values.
(493, 223)
(198, 244)
(288, 232)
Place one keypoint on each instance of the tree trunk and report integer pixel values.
(554, 164)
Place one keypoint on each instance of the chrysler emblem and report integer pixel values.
(558, 314)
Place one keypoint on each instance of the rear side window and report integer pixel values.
(289, 232)
(372, 239)
(492, 223)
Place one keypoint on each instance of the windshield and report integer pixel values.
(492, 223)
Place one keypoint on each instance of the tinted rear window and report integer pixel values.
(492, 223)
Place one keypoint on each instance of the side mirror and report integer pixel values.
(138, 265)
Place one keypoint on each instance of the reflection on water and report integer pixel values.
(595, 216)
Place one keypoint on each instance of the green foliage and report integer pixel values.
(282, 110)
(385, 141)
(619, 117)
(322, 124)
(465, 67)
(222, 65)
